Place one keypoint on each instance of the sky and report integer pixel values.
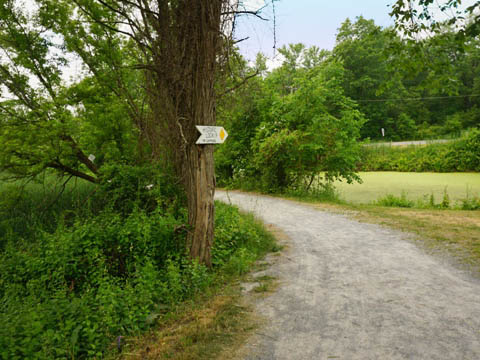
(311, 22)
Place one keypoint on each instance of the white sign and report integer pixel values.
(383, 132)
(211, 134)
(91, 157)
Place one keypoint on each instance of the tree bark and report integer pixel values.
(193, 64)
(200, 197)
(181, 42)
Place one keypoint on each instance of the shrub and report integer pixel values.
(113, 273)
(395, 201)
(148, 187)
(470, 202)
(239, 238)
(460, 155)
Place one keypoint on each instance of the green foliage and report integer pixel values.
(412, 89)
(94, 275)
(458, 156)
(470, 203)
(46, 123)
(395, 201)
(239, 239)
(125, 187)
(73, 285)
(428, 202)
(414, 17)
(465, 154)
(318, 191)
(298, 124)
(29, 209)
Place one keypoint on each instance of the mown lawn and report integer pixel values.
(415, 185)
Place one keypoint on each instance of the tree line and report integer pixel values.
(308, 116)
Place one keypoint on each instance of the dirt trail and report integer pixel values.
(350, 290)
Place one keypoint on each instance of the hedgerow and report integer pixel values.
(462, 155)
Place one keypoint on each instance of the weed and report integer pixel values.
(262, 288)
(395, 201)
(445, 204)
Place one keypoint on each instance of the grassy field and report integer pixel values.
(415, 185)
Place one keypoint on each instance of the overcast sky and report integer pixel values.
(312, 22)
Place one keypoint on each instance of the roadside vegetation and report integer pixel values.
(461, 155)
(85, 267)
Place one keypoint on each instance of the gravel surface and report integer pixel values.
(350, 290)
(407, 143)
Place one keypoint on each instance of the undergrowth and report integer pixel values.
(462, 155)
(74, 279)
(428, 201)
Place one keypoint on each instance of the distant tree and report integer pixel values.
(292, 126)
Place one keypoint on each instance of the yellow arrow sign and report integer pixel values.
(211, 134)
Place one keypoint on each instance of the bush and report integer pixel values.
(114, 272)
(470, 202)
(148, 187)
(458, 156)
(97, 279)
(239, 239)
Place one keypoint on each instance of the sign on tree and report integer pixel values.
(211, 134)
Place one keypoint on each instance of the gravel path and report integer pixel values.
(415, 142)
(350, 290)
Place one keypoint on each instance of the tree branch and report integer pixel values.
(244, 12)
(59, 166)
(239, 85)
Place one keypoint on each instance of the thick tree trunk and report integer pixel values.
(199, 103)
(200, 192)
(181, 80)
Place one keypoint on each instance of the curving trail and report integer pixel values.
(350, 290)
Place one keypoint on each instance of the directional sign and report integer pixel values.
(211, 135)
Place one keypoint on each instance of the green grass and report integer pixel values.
(28, 208)
(414, 185)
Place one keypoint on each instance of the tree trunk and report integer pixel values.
(181, 83)
(200, 193)
(197, 107)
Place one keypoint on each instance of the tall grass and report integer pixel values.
(319, 191)
(29, 208)
(428, 201)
